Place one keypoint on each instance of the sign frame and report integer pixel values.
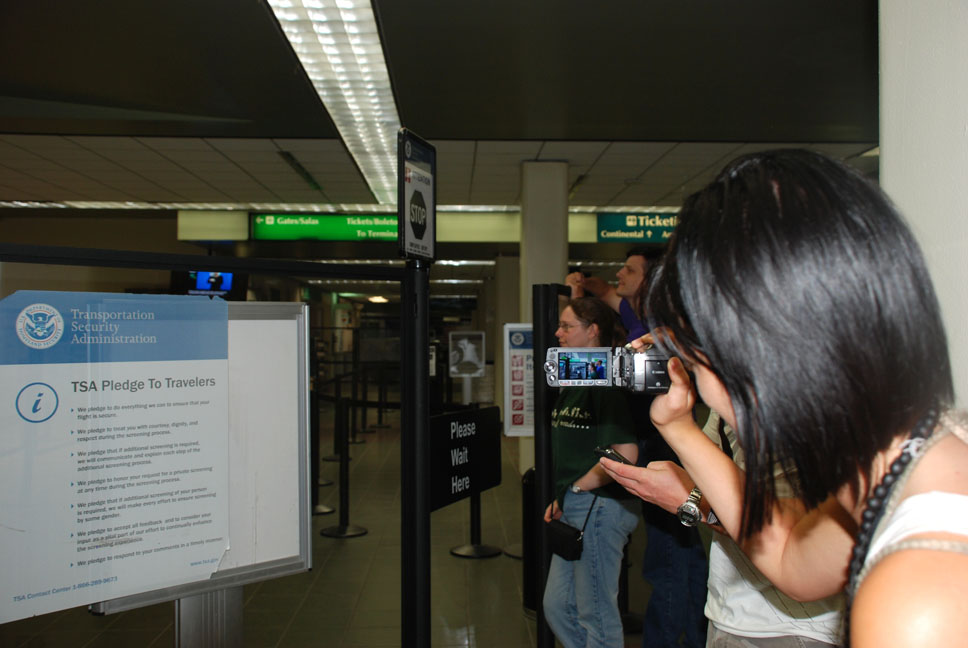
(635, 227)
(416, 163)
(518, 387)
(465, 454)
(283, 226)
(466, 360)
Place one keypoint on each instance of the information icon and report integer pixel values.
(37, 402)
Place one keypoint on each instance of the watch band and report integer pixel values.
(689, 512)
(695, 496)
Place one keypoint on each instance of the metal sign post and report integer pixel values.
(545, 315)
(416, 204)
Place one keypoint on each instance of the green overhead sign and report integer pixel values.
(645, 227)
(324, 227)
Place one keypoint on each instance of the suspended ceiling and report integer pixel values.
(194, 102)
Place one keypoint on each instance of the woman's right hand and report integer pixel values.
(552, 512)
(576, 281)
(675, 406)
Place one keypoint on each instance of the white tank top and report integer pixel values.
(934, 512)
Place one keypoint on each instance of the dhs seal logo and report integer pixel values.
(40, 326)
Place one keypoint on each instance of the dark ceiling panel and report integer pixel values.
(152, 67)
(639, 70)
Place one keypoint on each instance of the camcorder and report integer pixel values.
(638, 371)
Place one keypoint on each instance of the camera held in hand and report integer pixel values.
(638, 371)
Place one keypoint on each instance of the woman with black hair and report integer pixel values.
(800, 301)
(581, 596)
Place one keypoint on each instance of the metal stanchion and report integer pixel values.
(381, 397)
(344, 529)
(475, 549)
(545, 316)
(414, 453)
(337, 399)
(528, 537)
(365, 403)
(314, 478)
(355, 388)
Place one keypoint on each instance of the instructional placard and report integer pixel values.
(518, 380)
(114, 452)
(466, 359)
(416, 196)
(465, 454)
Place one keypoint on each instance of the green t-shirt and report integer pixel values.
(584, 418)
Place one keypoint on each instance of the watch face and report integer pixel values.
(689, 514)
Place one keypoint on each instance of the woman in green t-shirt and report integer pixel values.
(581, 596)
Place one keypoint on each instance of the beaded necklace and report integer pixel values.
(874, 510)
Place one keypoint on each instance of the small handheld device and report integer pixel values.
(614, 455)
(638, 371)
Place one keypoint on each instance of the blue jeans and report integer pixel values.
(676, 566)
(581, 596)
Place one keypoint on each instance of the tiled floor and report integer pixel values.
(351, 597)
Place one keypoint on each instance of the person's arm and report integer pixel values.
(552, 511)
(597, 477)
(663, 483)
(912, 599)
(576, 281)
(804, 555)
(595, 287)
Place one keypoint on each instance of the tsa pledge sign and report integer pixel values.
(465, 454)
(114, 446)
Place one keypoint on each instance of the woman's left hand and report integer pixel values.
(662, 483)
(552, 512)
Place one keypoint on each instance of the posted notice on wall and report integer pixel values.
(518, 380)
(114, 451)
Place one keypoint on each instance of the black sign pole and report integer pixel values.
(416, 240)
(414, 453)
(544, 317)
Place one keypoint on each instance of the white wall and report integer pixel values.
(924, 146)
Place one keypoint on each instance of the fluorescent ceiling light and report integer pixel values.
(455, 262)
(353, 282)
(378, 299)
(296, 208)
(388, 262)
(339, 47)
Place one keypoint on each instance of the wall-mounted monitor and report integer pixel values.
(227, 285)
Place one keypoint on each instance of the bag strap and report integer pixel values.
(727, 448)
(588, 515)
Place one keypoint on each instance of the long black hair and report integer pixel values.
(795, 280)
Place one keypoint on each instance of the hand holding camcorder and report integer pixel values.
(638, 371)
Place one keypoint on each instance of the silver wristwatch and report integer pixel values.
(689, 512)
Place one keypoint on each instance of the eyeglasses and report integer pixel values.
(565, 326)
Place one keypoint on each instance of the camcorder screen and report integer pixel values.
(583, 365)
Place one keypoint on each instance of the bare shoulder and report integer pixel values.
(913, 598)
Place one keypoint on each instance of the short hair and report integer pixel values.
(592, 310)
(652, 253)
(806, 294)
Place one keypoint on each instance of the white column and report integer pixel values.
(924, 146)
(544, 244)
(544, 227)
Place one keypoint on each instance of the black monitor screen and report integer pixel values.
(227, 285)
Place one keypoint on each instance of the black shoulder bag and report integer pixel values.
(565, 539)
